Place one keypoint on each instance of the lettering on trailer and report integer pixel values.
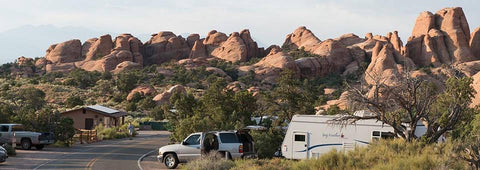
(326, 135)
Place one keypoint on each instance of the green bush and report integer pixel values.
(73, 101)
(113, 132)
(267, 142)
(64, 130)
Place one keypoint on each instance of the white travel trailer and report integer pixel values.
(309, 136)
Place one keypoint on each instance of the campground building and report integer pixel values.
(90, 116)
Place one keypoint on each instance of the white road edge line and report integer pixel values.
(141, 158)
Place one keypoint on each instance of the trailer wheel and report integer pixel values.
(26, 144)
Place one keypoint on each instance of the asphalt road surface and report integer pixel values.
(115, 154)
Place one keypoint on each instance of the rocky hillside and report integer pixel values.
(441, 44)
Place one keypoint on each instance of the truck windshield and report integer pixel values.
(228, 138)
(17, 128)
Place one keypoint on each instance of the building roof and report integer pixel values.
(101, 110)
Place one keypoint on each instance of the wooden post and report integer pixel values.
(88, 137)
(81, 136)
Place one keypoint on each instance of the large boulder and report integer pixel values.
(237, 47)
(252, 48)
(198, 50)
(440, 38)
(301, 37)
(214, 39)
(65, 52)
(99, 48)
(476, 86)
(164, 97)
(192, 38)
(165, 46)
(127, 65)
(475, 43)
(386, 64)
(337, 55)
(96, 54)
(143, 90)
(313, 66)
(269, 68)
(234, 49)
(24, 61)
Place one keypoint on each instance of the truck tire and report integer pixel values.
(171, 161)
(228, 156)
(39, 147)
(26, 144)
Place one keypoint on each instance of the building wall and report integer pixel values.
(79, 118)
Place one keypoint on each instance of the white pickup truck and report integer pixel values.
(229, 144)
(25, 139)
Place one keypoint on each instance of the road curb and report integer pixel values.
(143, 156)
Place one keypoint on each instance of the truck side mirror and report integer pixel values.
(184, 143)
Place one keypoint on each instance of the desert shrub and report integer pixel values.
(210, 162)
(385, 154)
(263, 164)
(73, 101)
(82, 79)
(131, 106)
(50, 77)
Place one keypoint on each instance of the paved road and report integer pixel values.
(115, 154)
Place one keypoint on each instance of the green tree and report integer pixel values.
(6, 113)
(216, 109)
(414, 99)
(64, 130)
(127, 81)
(290, 97)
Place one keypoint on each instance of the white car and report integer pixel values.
(3, 154)
(230, 144)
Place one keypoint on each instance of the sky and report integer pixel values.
(28, 27)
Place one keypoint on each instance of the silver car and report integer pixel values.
(229, 144)
(3, 154)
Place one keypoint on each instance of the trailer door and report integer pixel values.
(300, 144)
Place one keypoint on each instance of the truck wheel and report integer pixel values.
(228, 156)
(26, 144)
(171, 161)
(39, 147)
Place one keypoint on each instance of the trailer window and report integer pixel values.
(300, 138)
(387, 135)
(382, 135)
